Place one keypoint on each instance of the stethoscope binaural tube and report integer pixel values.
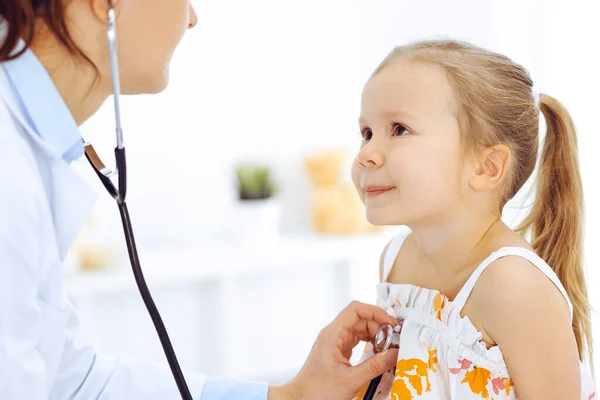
(105, 175)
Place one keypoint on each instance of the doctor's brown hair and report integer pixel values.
(496, 105)
(21, 17)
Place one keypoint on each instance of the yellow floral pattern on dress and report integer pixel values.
(413, 374)
(478, 379)
(410, 373)
(432, 360)
(438, 305)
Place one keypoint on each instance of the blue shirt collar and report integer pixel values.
(42, 105)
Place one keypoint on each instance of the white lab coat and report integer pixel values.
(43, 204)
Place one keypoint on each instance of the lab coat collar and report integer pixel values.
(70, 198)
(41, 104)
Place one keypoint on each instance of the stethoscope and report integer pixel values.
(386, 337)
(118, 193)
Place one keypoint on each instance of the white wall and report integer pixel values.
(261, 79)
(273, 80)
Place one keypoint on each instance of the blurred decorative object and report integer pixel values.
(336, 207)
(89, 250)
(254, 182)
(323, 168)
(259, 207)
(94, 256)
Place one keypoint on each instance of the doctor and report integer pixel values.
(54, 74)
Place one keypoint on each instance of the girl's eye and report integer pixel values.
(399, 130)
(366, 134)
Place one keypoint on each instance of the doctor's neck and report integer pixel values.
(75, 78)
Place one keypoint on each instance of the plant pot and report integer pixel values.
(258, 220)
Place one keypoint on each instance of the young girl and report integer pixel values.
(450, 134)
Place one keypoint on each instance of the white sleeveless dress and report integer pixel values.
(442, 355)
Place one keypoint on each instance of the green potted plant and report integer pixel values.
(258, 204)
(255, 182)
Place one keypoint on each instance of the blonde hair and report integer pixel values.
(496, 105)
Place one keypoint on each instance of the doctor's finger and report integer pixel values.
(356, 312)
(366, 330)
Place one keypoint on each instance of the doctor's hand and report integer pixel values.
(327, 372)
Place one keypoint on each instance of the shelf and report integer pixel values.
(223, 260)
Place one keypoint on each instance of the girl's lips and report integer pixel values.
(372, 191)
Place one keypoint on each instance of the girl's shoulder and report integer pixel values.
(516, 279)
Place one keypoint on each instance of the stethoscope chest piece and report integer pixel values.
(387, 337)
(383, 338)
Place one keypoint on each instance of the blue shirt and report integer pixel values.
(47, 113)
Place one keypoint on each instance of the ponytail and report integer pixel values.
(556, 220)
(18, 20)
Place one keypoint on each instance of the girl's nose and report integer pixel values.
(370, 155)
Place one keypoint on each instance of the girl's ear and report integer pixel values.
(490, 168)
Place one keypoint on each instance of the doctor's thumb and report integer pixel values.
(373, 367)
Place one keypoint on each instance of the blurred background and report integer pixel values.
(250, 234)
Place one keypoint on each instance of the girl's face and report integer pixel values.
(148, 32)
(408, 169)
